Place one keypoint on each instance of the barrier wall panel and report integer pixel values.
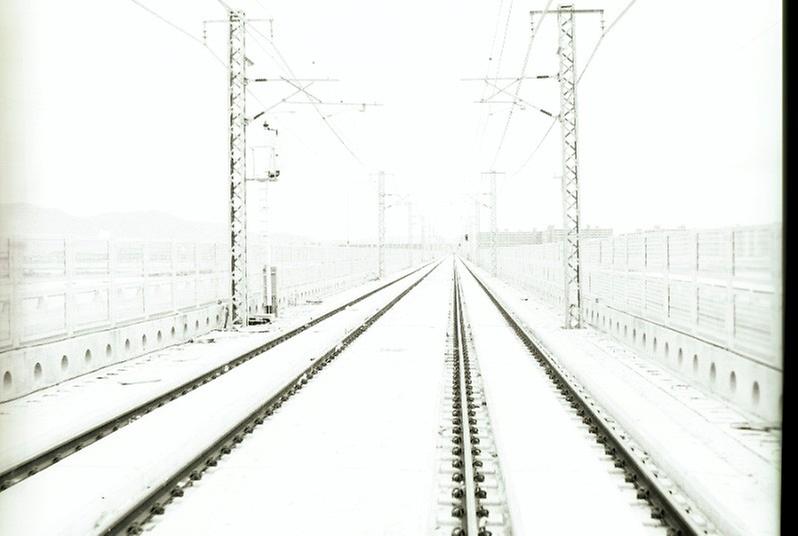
(42, 316)
(754, 333)
(5, 322)
(656, 252)
(714, 252)
(681, 252)
(712, 296)
(752, 249)
(5, 259)
(41, 258)
(656, 298)
(635, 288)
(711, 318)
(91, 308)
(635, 252)
(129, 302)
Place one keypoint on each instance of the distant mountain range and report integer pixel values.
(20, 220)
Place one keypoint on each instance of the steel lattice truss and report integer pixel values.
(494, 262)
(238, 197)
(570, 182)
(381, 225)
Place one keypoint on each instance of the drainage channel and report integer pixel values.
(45, 459)
(184, 477)
(668, 505)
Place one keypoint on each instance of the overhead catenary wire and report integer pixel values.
(520, 82)
(601, 38)
(484, 122)
(257, 33)
(581, 74)
(179, 29)
(286, 67)
(221, 62)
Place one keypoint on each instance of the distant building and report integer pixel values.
(550, 234)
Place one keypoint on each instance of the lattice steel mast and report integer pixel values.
(570, 166)
(494, 261)
(238, 192)
(566, 51)
(381, 224)
(492, 204)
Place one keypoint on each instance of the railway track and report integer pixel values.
(478, 506)
(472, 495)
(47, 458)
(668, 507)
(184, 477)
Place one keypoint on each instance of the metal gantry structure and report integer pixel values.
(492, 204)
(238, 185)
(381, 224)
(570, 166)
(567, 76)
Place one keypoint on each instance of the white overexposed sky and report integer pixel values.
(106, 108)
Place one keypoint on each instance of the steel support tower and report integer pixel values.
(477, 227)
(238, 193)
(570, 166)
(381, 224)
(494, 260)
(566, 50)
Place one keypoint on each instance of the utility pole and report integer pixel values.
(381, 224)
(566, 50)
(238, 192)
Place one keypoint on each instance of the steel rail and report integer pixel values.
(45, 459)
(663, 507)
(466, 401)
(461, 424)
(175, 485)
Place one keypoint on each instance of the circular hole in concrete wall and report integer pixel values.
(625, 331)
(617, 327)
(109, 352)
(127, 345)
(680, 357)
(713, 373)
(144, 342)
(196, 324)
(207, 321)
(655, 345)
(172, 332)
(667, 350)
(755, 393)
(695, 362)
(634, 336)
(644, 340)
(87, 356)
(7, 380)
(159, 337)
(64, 362)
(37, 371)
(733, 381)
(217, 319)
(185, 329)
